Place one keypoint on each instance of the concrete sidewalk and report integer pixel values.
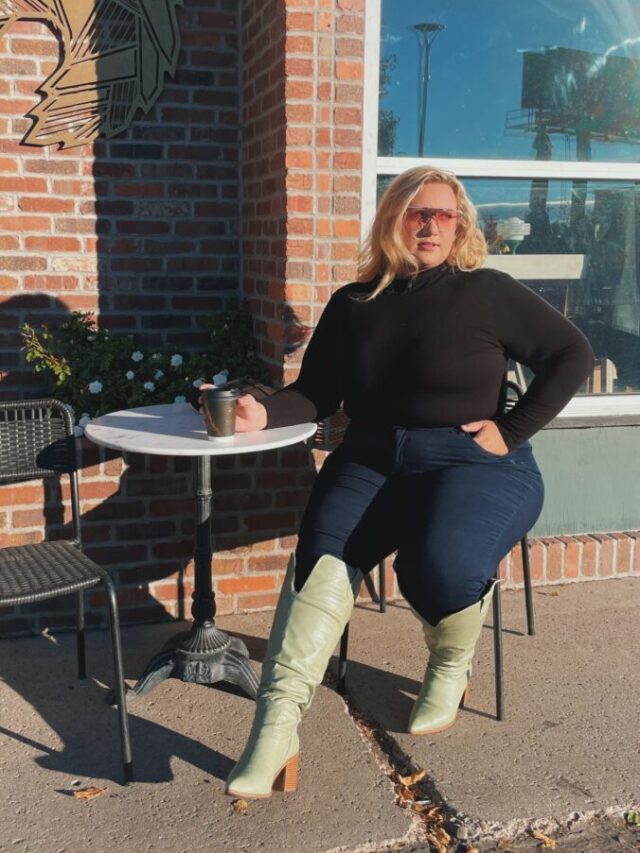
(569, 745)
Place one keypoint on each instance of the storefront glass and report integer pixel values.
(577, 244)
(535, 80)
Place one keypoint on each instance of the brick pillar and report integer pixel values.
(302, 118)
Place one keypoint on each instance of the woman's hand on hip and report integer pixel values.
(488, 436)
(250, 414)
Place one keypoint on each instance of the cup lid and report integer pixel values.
(223, 393)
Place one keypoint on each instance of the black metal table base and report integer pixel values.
(203, 655)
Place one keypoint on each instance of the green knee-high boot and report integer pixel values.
(451, 645)
(306, 628)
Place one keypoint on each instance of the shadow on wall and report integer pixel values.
(157, 217)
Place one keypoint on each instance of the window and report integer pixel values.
(536, 106)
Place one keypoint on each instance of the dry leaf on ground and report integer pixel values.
(240, 807)
(411, 780)
(547, 843)
(89, 793)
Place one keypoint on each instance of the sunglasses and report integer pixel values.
(444, 216)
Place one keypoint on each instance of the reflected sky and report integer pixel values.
(476, 76)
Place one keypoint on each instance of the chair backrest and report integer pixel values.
(512, 394)
(37, 441)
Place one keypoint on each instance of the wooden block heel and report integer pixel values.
(287, 778)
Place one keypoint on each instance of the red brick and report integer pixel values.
(301, 90)
(346, 70)
(554, 559)
(52, 244)
(8, 165)
(21, 495)
(605, 554)
(572, 560)
(171, 591)
(15, 106)
(589, 559)
(230, 586)
(52, 283)
(299, 21)
(298, 44)
(26, 223)
(46, 204)
(8, 539)
(264, 601)
(275, 563)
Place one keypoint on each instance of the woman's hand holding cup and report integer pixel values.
(251, 415)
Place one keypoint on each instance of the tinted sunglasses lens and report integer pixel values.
(422, 215)
(446, 218)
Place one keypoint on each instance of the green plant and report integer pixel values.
(97, 372)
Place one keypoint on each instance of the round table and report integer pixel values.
(203, 654)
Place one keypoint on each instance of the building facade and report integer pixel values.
(256, 172)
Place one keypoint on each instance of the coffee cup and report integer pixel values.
(219, 406)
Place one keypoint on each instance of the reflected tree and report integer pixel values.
(387, 119)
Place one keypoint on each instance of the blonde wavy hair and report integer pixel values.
(384, 255)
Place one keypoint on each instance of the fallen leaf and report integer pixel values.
(472, 850)
(404, 794)
(413, 778)
(240, 807)
(547, 843)
(504, 844)
(632, 818)
(89, 793)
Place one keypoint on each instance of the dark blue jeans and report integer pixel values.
(450, 509)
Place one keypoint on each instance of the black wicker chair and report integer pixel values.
(37, 441)
(512, 393)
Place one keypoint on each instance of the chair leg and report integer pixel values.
(80, 646)
(528, 595)
(497, 649)
(120, 685)
(382, 585)
(342, 662)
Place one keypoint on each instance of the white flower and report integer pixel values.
(158, 375)
(130, 374)
(176, 360)
(156, 356)
(220, 378)
(180, 399)
(95, 387)
(78, 431)
(84, 420)
(137, 356)
(91, 337)
(149, 386)
(197, 383)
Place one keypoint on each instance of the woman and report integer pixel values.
(430, 466)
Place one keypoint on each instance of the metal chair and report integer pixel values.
(37, 442)
(512, 392)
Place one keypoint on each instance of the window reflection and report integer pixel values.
(538, 80)
(577, 244)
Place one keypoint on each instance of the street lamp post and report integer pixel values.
(425, 34)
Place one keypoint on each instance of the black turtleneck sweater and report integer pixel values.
(433, 352)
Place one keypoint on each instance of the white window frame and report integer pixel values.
(595, 405)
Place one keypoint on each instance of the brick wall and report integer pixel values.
(266, 111)
(142, 227)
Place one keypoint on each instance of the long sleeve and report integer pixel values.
(533, 333)
(319, 388)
